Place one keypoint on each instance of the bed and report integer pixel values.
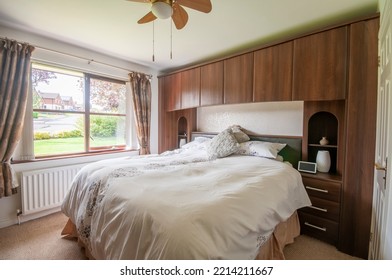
(186, 204)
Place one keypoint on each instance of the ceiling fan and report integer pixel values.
(173, 8)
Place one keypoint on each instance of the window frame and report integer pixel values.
(86, 113)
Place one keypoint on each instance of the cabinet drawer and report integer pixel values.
(322, 189)
(323, 208)
(319, 228)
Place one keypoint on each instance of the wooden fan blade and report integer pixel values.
(198, 5)
(179, 16)
(139, 1)
(147, 18)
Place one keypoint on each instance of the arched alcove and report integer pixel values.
(182, 129)
(323, 124)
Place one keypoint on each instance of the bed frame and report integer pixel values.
(291, 153)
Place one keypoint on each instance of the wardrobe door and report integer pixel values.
(361, 112)
(211, 91)
(172, 92)
(320, 66)
(190, 88)
(273, 73)
(238, 79)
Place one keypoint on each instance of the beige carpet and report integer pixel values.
(308, 248)
(40, 240)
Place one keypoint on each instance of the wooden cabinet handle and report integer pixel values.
(316, 189)
(318, 208)
(316, 227)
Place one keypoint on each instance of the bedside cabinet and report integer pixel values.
(321, 220)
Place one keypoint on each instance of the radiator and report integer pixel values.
(46, 188)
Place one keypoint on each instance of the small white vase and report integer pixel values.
(323, 161)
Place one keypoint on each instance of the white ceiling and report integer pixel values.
(110, 26)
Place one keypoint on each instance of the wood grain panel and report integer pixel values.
(273, 71)
(172, 91)
(238, 79)
(320, 65)
(326, 230)
(211, 91)
(322, 189)
(360, 142)
(166, 118)
(323, 208)
(190, 88)
(168, 132)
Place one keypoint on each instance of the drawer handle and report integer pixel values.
(318, 208)
(316, 189)
(316, 227)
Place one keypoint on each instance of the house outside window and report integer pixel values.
(76, 112)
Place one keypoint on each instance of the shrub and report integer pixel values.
(101, 126)
(41, 135)
(63, 134)
(68, 134)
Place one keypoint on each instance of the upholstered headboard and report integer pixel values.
(291, 153)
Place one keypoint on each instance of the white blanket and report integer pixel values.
(180, 205)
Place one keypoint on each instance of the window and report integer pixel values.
(75, 112)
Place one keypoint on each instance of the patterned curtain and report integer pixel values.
(14, 87)
(141, 95)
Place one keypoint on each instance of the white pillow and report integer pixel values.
(190, 145)
(222, 145)
(197, 143)
(260, 149)
(202, 139)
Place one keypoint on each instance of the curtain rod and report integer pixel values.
(89, 60)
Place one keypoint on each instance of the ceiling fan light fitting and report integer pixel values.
(161, 10)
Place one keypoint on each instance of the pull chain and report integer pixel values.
(153, 41)
(171, 39)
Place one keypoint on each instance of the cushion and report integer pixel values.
(222, 145)
(260, 149)
(239, 134)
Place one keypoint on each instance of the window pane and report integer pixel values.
(107, 96)
(59, 99)
(106, 131)
(54, 89)
(57, 133)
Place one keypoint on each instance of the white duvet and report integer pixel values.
(180, 205)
